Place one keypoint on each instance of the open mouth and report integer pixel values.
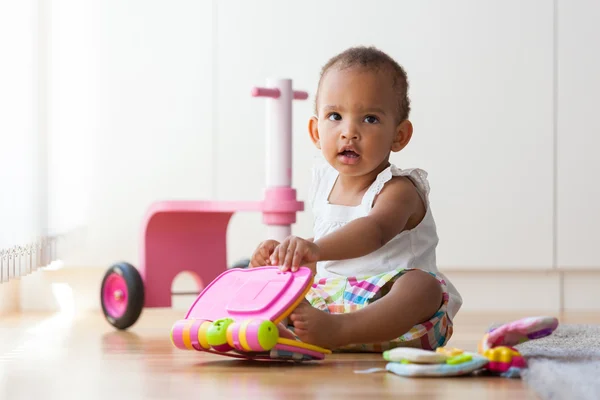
(349, 153)
(348, 156)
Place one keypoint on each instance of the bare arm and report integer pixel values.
(394, 206)
(393, 209)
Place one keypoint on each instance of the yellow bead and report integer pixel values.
(449, 351)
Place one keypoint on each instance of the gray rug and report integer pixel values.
(566, 364)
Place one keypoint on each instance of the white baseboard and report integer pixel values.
(582, 291)
(509, 291)
(549, 291)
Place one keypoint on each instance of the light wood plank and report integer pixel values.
(57, 356)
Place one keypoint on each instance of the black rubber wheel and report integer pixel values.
(122, 295)
(241, 264)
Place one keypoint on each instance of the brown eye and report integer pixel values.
(371, 119)
(334, 117)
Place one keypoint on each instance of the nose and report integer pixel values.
(350, 132)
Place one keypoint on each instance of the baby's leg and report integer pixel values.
(413, 299)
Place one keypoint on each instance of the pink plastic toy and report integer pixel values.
(237, 316)
(518, 332)
(191, 235)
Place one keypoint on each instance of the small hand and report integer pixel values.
(293, 252)
(262, 253)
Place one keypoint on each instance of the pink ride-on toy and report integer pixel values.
(237, 316)
(191, 235)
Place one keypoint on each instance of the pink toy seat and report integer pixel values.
(262, 293)
(191, 236)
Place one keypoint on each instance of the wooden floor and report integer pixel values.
(63, 357)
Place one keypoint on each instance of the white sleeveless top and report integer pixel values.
(415, 248)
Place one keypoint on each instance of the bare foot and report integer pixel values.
(316, 327)
(285, 332)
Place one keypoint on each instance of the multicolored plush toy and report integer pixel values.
(495, 353)
(416, 362)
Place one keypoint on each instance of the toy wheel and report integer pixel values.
(122, 295)
(241, 263)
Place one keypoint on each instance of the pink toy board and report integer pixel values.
(237, 315)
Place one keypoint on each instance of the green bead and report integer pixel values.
(268, 334)
(216, 335)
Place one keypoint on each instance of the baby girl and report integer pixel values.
(373, 253)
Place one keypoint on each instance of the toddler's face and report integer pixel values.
(357, 124)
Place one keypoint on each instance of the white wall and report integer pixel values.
(19, 145)
(578, 139)
(151, 76)
(482, 100)
(503, 108)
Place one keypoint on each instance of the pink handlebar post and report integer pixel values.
(280, 199)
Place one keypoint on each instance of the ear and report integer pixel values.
(403, 135)
(313, 130)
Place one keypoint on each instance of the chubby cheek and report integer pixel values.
(330, 151)
(329, 144)
(375, 150)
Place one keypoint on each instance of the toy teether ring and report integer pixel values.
(518, 332)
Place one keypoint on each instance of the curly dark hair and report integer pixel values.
(372, 58)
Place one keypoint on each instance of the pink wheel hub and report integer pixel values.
(114, 295)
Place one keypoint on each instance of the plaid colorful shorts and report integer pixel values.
(343, 295)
